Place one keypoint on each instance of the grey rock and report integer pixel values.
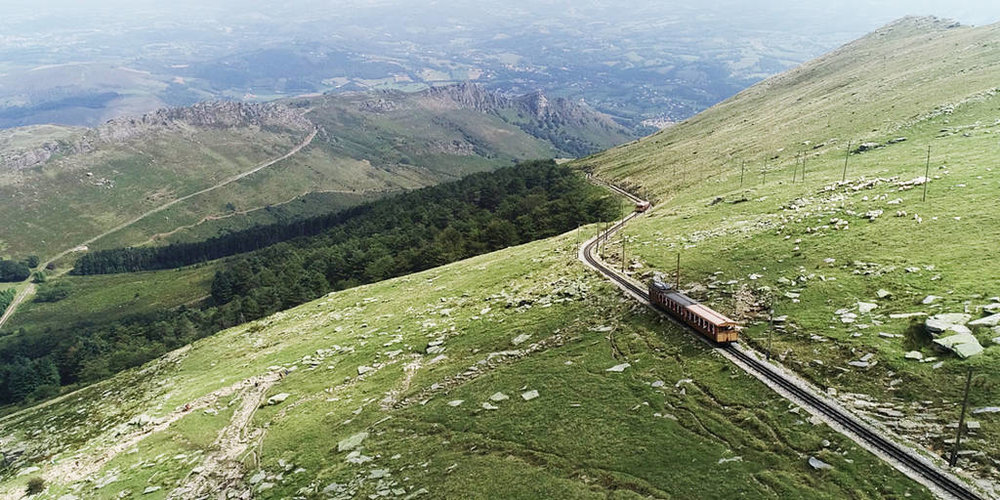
(930, 299)
(529, 395)
(986, 409)
(499, 396)
(883, 293)
(456, 402)
(963, 344)
(151, 489)
(818, 464)
(278, 398)
(618, 368)
(859, 364)
(866, 307)
(992, 320)
(954, 318)
(350, 443)
(917, 355)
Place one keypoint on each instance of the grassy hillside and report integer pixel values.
(847, 267)
(424, 385)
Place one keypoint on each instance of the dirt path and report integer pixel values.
(25, 293)
(21, 297)
(73, 470)
(221, 471)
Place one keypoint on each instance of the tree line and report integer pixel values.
(386, 238)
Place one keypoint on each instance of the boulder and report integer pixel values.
(917, 355)
(962, 344)
(954, 318)
(499, 396)
(930, 299)
(456, 402)
(883, 293)
(818, 464)
(529, 395)
(352, 442)
(986, 409)
(278, 398)
(866, 307)
(992, 320)
(618, 368)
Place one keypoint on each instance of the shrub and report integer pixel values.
(36, 485)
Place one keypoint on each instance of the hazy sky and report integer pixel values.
(857, 14)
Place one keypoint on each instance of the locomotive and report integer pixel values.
(710, 323)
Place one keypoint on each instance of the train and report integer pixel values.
(710, 323)
(642, 206)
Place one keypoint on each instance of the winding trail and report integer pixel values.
(30, 289)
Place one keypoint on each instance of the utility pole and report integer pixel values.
(763, 178)
(623, 254)
(677, 285)
(770, 332)
(846, 157)
(927, 173)
(795, 168)
(743, 165)
(961, 419)
(803, 168)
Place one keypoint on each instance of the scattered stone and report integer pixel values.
(818, 464)
(866, 307)
(731, 459)
(528, 396)
(973, 425)
(488, 406)
(150, 489)
(352, 442)
(658, 384)
(991, 321)
(456, 402)
(883, 293)
(365, 369)
(917, 355)
(825, 443)
(937, 365)
(930, 299)
(278, 398)
(497, 397)
(520, 338)
(986, 409)
(258, 477)
(618, 368)
(859, 364)
(996, 340)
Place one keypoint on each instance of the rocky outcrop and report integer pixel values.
(218, 115)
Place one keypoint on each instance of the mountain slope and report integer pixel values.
(423, 384)
(73, 187)
(851, 268)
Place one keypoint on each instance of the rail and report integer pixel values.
(904, 459)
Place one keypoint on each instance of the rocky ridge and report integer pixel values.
(219, 115)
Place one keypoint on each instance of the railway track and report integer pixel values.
(870, 437)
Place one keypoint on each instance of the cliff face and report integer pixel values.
(219, 115)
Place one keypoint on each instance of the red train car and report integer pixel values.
(710, 323)
(642, 206)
